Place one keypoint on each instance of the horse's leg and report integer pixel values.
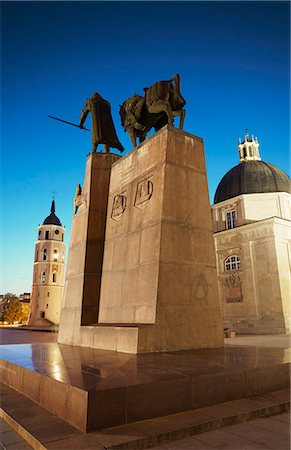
(182, 118)
(142, 136)
(181, 113)
(132, 135)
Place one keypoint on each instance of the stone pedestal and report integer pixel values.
(83, 276)
(159, 288)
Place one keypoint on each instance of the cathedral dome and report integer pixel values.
(251, 175)
(52, 219)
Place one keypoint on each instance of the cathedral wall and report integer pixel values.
(263, 206)
(254, 298)
(283, 251)
(252, 207)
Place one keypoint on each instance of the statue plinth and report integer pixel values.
(83, 276)
(159, 288)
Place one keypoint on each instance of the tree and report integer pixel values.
(25, 312)
(5, 302)
(13, 313)
(9, 296)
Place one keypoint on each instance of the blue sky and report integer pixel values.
(233, 58)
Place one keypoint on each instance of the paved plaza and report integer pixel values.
(24, 336)
(260, 434)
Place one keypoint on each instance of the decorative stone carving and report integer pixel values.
(79, 199)
(144, 191)
(233, 292)
(118, 207)
(229, 207)
(232, 280)
(200, 289)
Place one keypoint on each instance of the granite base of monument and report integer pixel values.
(141, 271)
(93, 389)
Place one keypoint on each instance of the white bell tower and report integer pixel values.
(249, 149)
(48, 273)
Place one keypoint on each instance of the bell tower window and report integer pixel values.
(43, 277)
(54, 277)
(55, 255)
(47, 234)
(44, 254)
(230, 217)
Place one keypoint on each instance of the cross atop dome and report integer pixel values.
(249, 149)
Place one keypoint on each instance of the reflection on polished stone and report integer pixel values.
(89, 369)
(72, 382)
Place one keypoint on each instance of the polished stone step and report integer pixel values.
(42, 430)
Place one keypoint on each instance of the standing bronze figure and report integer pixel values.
(103, 130)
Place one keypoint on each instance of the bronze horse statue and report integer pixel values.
(161, 102)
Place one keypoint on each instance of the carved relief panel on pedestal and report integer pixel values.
(118, 207)
(143, 194)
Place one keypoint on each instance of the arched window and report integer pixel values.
(43, 277)
(44, 254)
(54, 277)
(47, 234)
(39, 233)
(232, 263)
(55, 255)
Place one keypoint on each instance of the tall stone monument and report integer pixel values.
(141, 273)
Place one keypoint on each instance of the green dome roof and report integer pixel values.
(251, 177)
